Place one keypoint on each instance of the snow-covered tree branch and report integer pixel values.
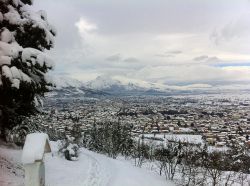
(24, 37)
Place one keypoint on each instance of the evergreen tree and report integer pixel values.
(24, 37)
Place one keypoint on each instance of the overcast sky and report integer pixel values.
(175, 42)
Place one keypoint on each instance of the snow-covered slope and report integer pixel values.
(102, 82)
(123, 85)
(118, 83)
(92, 169)
(107, 83)
(69, 87)
(64, 81)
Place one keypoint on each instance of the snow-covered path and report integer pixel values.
(97, 173)
(91, 169)
(94, 169)
(110, 172)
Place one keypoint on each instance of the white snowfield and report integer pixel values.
(91, 169)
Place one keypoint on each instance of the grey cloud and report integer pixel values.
(215, 37)
(236, 28)
(200, 58)
(206, 58)
(213, 59)
(164, 55)
(131, 59)
(119, 58)
(173, 52)
(166, 16)
(115, 57)
(169, 54)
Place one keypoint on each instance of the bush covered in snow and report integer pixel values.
(69, 149)
(24, 36)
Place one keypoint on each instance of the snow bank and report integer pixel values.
(36, 144)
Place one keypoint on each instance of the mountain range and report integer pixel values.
(113, 86)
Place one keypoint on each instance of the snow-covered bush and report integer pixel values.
(69, 149)
(24, 36)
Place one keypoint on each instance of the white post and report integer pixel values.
(36, 145)
(34, 174)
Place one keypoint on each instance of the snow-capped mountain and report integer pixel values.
(102, 86)
(69, 87)
(64, 81)
(106, 85)
(115, 85)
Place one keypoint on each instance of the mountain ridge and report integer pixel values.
(106, 85)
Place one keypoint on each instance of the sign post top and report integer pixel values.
(35, 146)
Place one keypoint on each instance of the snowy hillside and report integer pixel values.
(124, 85)
(69, 87)
(107, 82)
(102, 82)
(101, 86)
(92, 169)
(64, 81)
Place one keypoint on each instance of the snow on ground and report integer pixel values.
(195, 139)
(92, 169)
(11, 170)
(123, 173)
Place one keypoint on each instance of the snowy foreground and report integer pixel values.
(92, 169)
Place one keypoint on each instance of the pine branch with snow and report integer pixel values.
(24, 36)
